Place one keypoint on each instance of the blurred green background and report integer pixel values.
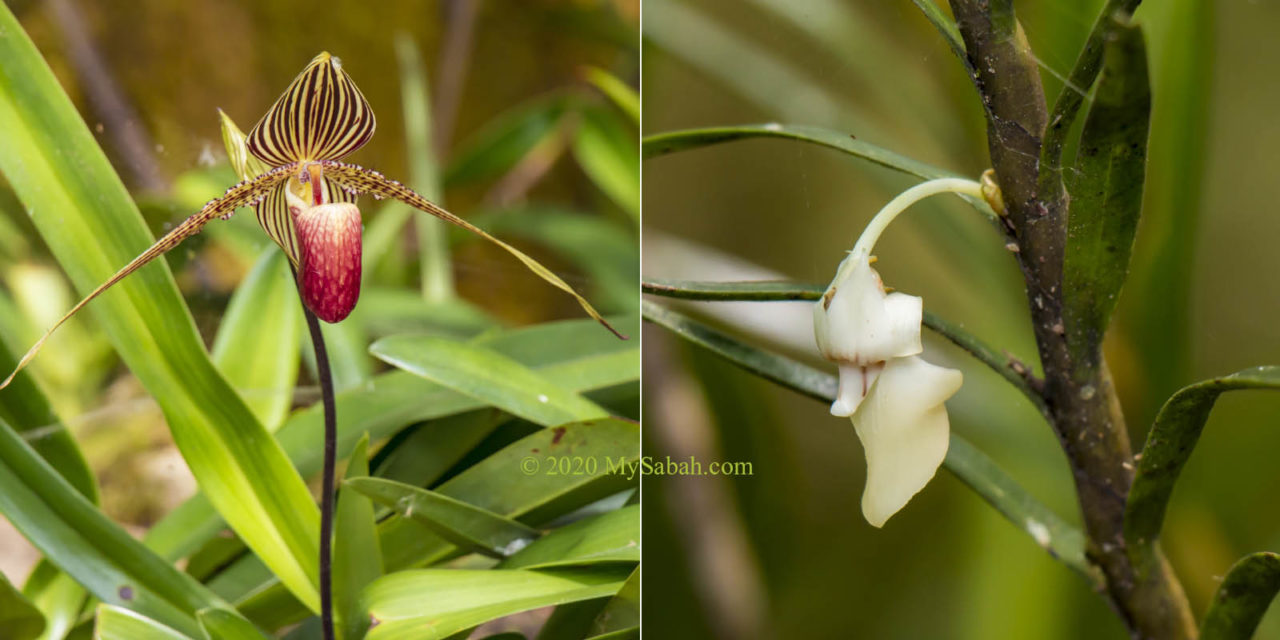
(523, 145)
(785, 552)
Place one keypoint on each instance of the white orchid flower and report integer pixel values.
(860, 327)
(895, 399)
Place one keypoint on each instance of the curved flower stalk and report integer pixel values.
(304, 196)
(894, 397)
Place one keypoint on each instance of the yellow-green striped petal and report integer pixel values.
(245, 165)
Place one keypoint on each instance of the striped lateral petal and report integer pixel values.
(243, 194)
(321, 116)
(357, 179)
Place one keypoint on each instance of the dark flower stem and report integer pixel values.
(325, 377)
(1083, 407)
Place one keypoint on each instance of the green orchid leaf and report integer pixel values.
(762, 78)
(946, 28)
(569, 354)
(1061, 540)
(1242, 598)
(420, 455)
(621, 616)
(469, 527)
(19, 618)
(605, 148)
(630, 633)
(486, 376)
(620, 93)
(499, 484)
(1106, 194)
(689, 139)
(572, 621)
(114, 623)
(612, 536)
(1086, 69)
(357, 556)
(533, 491)
(436, 270)
(425, 604)
(85, 216)
(57, 596)
(24, 406)
(221, 624)
(1169, 445)
(76, 536)
(505, 140)
(185, 529)
(390, 310)
(753, 290)
(609, 537)
(255, 346)
(676, 141)
(206, 563)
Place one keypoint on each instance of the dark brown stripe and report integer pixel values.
(321, 116)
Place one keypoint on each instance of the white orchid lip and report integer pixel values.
(905, 433)
(895, 399)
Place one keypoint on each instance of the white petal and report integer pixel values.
(855, 382)
(858, 323)
(904, 431)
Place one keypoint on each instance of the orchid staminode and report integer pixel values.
(895, 398)
(304, 195)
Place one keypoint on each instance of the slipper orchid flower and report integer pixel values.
(292, 174)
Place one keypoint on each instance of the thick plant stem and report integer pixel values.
(1083, 407)
(325, 377)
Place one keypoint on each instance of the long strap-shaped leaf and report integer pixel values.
(1243, 598)
(1169, 446)
(244, 193)
(361, 180)
(321, 116)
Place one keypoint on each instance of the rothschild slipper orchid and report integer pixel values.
(894, 397)
(292, 174)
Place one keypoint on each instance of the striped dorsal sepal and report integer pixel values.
(357, 179)
(321, 116)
